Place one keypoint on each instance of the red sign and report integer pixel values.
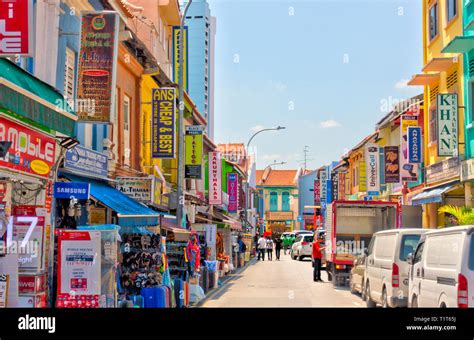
(31, 284)
(31, 151)
(16, 27)
(317, 192)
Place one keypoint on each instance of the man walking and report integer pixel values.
(270, 248)
(278, 243)
(317, 256)
(262, 248)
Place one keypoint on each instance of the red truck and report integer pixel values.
(349, 228)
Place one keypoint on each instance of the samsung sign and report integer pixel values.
(80, 191)
(414, 144)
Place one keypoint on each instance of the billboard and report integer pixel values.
(163, 132)
(392, 164)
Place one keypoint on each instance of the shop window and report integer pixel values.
(273, 201)
(285, 201)
(432, 126)
(433, 21)
(451, 9)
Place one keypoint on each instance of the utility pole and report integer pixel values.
(306, 159)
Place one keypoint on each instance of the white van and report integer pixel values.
(442, 270)
(386, 272)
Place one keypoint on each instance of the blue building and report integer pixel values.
(201, 33)
(306, 200)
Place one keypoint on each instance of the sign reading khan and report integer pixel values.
(447, 124)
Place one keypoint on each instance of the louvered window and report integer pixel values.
(452, 79)
(434, 90)
(432, 125)
(471, 66)
(69, 76)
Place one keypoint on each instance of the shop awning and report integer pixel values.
(431, 196)
(25, 95)
(176, 230)
(129, 211)
(460, 44)
(424, 79)
(439, 64)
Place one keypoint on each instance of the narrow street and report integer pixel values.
(284, 283)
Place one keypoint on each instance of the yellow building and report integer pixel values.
(442, 73)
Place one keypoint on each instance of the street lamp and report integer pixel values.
(247, 164)
(274, 163)
(180, 206)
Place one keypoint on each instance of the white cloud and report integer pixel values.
(330, 123)
(271, 157)
(401, 84)
(256, 128)
(278, 85)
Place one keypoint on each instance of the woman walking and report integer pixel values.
(278, 243)
(269, 248)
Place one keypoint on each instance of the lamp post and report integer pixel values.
(180, 206)
(247, 165)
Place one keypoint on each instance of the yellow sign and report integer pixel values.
(40, 167)
(193, 157)
(362, 176)
(176, 34)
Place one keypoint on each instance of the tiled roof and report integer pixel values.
(277, 177)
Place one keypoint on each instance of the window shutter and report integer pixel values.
(69, 76)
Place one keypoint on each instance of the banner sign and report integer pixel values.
(414, 144)
(372, 159)
(408, 171)
(193, 152)
(68, 190)
(86, 161)
(232, 191)
(163, 123)
(215, 178)
(317, 191)
(323, 177)
(342, 186)
(31, 151)
(447, 114)
(138, 188)
(176, 43)
(362, 176)
(335, 185)
(392, 164)
(16, 28)
(97, 66)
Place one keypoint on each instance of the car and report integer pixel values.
(302, 247)
(386, 268)
(300, 232)
(442, 269)
(356, 276)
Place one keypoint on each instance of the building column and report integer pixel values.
(468, 191)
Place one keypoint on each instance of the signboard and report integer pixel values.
(317, 191)
(392, 164)
(79, 262)
(372, 162)
(68, 190)
(323, 176)
(279, 215)
(86, 161)
(362, 176)
(97, 215)
(408, 171)
(163, 123)
(215, 178)
(414, 144)
(467, 170)
(335, 185)
(4, 290)
(97, 66)
(442, 171)
(232, 191)
(30, 256)
(31, 152)
(16, 28)
(447, 124)
(193, 152)
(342, 186)
(138, 188)
(176, 42)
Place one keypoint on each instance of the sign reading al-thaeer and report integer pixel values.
(447, 114)
(163, 123)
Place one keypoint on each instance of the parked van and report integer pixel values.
(386, 273)
(442, 269)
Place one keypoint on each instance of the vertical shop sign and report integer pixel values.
(408, 171)
(193, 157)
(16, 28)
(335, 186)
(317, 191)
(414, 144)
(342, 186)
(447, 114)
(372, 159)
(163, 123)
(97, 66)
(323, 177)
(215, 178)
(232, 191)
(176, 43)
(392, 164)
(362, 176)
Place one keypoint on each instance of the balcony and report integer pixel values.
(279, 215)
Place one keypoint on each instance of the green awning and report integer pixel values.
(23, 95)
(460, 44)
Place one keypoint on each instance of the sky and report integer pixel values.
(327, 70)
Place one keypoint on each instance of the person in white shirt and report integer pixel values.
(270, 248)
(262, 246)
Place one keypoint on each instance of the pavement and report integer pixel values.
(284, 283)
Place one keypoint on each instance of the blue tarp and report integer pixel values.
(431, 196)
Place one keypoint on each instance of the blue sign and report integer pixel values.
(414, 144)
(69, 190)
(85, 161)
(300, 218)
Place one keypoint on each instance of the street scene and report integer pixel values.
(165, 154)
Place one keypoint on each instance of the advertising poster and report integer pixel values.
(30, 151)
(232, 192)
(414, 144)
(317, 192)
(163, 132)
(30, 256)
(79, 263)
(447, 119)
(86, 161)
(372, 160)
(176, 43)
(215, 178)
(392, 164)
(193, 152)
(16, 29)
(97, 66)
(4, 278)
(138, 188)
(408, 171)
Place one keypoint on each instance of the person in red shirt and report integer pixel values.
(317, 255)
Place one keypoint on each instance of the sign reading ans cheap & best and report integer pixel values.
(163, 123)
(16, 27)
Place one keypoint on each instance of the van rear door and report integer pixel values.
(408, 244)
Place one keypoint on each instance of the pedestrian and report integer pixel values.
(270, 248)
(278, 243)
(262, 246)
(317, 256)
(242, 250)
(286, 243)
